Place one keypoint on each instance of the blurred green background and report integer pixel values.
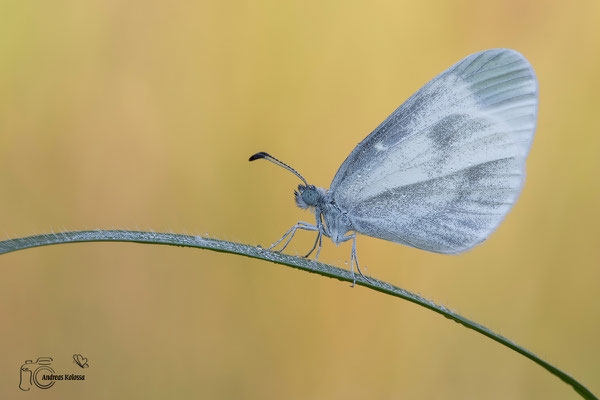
(142, 115)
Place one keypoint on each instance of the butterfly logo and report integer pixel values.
(80, 360)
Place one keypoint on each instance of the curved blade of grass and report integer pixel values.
(283, 259)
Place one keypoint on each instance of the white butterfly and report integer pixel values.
(442, 171)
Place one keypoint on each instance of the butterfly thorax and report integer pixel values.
(337, 223)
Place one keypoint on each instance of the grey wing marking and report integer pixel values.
(441, 172)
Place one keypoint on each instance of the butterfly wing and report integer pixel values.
(441, 172)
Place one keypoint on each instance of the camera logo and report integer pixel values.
(33, 373)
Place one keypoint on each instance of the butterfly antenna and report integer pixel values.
(275, 161)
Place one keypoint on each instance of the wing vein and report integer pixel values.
(486, 63)
(493, 68)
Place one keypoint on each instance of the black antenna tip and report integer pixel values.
(258, 155)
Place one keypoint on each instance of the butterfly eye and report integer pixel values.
(310, 196)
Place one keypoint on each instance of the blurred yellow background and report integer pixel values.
(142, 115)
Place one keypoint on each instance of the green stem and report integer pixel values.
(291, 261)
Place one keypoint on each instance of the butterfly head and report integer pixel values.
(308, 196)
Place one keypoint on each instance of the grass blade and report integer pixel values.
(283, 259)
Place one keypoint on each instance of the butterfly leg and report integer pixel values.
(293, 228)
(319, 236)
(290, 234)
(354, 258)
(317, 241)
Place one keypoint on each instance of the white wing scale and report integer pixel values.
(441, 172)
